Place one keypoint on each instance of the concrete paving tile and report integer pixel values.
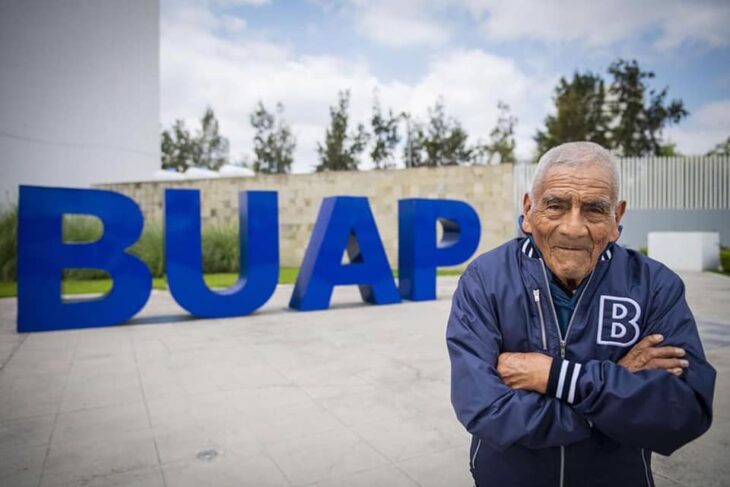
(107, 389)
(182, 442)
(225, 470)
(250, 401)
(146, 477)
(98, 424)
(8, 344)
(178, 408)
(25, 362)
(31, 395)
(52, 340)
(375, 404)
(22, 479)
(92, 365)
(403, 438)
(82, 462)
(25, 432)
(280, 423)
(21, 464)
(387, 476)
(323, 457)
(439, 469)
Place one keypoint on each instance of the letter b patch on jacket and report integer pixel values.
(618, 321)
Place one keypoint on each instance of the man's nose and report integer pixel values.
(574, 224)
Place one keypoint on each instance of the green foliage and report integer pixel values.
(341, 148)
(211, 147)
(274, 142)
(220, 250)
(628, 117)
(501, 145)
(725, 259)
(639, 121)
(580, 113)
(178, 147)
(151, 249)
(441, 143)
(386, 137)
(79, 229)
(207, 148)
(721, 149)
(8, 243)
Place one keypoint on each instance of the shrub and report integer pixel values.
(220, 250)
(8, 243)
(725, 259)
(151, 249)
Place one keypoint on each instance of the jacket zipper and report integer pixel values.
(536, 295)
(563, 341)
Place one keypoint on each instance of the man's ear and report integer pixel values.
(526, 206)
(619, 214)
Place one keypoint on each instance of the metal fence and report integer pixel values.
(682, 183)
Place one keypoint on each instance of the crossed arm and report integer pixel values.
(531, 371)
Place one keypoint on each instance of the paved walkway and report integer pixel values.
(357, 395)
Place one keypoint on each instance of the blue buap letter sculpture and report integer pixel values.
(42, 257)
(344, 223)
(259, 254)
(419, 254)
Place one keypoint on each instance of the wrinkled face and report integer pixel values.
(572, 219)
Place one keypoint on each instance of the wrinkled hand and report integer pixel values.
(644, 355)
(528, 371)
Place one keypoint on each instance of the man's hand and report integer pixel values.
(528, 371)
(644, 355)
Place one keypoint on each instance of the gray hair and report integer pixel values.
(576, 154)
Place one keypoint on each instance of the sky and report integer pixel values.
(229, 54)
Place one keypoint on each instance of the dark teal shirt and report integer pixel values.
(565, 302)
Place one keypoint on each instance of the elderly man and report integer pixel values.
(573, 359)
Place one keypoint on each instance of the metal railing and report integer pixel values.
(697, 183)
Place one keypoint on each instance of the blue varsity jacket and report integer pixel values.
(599, 423)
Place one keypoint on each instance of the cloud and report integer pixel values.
(708, 126)
(670, 23)
(401, 23)
(203, 64)
(607, 22)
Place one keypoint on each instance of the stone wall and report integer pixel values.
(489, 189)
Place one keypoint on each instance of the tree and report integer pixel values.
(341, 149)
(501, 146)
(211, 148)
(721, 149)
(177, 146)
(580, 113)
(441, 143)
(668, 150)
(207, 148)
(637, 122)
(274, 142)
(386, 137)
(413, 151)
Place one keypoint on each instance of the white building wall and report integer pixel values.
(79, 92)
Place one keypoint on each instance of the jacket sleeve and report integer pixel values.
(488, 408)
(650, 409)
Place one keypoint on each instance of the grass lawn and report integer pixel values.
(287, 275)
